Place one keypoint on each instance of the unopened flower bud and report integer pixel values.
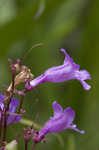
(27, 134)
(36, 138)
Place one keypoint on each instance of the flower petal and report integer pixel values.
(1, 106)
(57, 108)
(81, 76)
(68, 59)
(12, 108)
(85, 85)
(10, 119)
(17, 119)
(37, 81)
(1, 97)
(13, 105)
(73, 127)
(70, 115)
(13, 119)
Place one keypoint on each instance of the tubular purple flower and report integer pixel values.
(68, 71)
(12, 118)
(61, 120)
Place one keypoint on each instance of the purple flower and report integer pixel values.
(61, 120)
(12, 118)
(68, 71)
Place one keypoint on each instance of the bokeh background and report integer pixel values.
(70, 24)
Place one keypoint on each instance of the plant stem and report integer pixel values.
(5, 129)
(12, 91)
(1, 121)
(26, 145)
(33, 146)
(6, 110)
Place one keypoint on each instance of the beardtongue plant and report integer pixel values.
(11, 110)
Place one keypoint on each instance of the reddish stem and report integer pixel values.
(7, 107)
(1, 121)
(26, 145)
(33, 146)
(5, 129)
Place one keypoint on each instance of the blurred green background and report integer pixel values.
(70, 24)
